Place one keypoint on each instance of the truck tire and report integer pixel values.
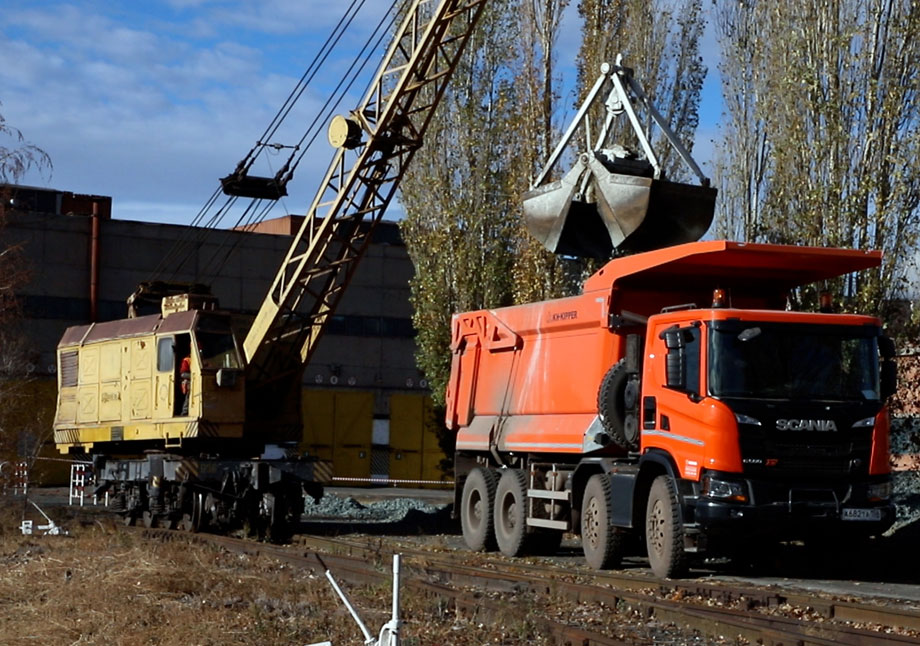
(511, 512)
(664, 530)
(602, 544)
(611, 408)
(476, 515)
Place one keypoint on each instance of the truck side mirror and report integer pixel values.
(674, 341)
(673, 338)
(682, 359)
(889, 370)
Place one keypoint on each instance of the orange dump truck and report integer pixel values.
(676, 400)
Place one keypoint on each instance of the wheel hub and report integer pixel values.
(592, 523)
(655, 529)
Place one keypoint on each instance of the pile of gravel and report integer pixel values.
(394, 510)
(905, 434)
(905, 439)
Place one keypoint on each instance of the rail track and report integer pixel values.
(494, 589)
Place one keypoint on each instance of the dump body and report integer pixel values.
(527, 377)
(678, 393)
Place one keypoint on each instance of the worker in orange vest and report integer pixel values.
(185, 374)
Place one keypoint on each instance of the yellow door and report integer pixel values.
(165, 378)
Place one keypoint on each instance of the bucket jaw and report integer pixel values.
(612, 201)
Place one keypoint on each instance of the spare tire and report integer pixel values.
(611, 408)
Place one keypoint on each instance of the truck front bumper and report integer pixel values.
(793, 521)
(792, 511)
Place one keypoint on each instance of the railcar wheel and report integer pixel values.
(150, 519)
(602, 544)
(511, 512)
(192, 521)
(209, 512)
(129, 519)
(664, 530)
(476, 510)
(277, 529)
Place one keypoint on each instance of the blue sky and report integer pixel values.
(151, 102)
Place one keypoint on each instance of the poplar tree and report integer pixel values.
(823, 146)
(538, 273)
(461, 220)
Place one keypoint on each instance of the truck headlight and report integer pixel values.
(879, 491)
(724, 489)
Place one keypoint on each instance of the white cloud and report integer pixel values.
(148, 118)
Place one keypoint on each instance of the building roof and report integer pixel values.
(385, 232)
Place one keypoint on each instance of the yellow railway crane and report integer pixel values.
(171, 406)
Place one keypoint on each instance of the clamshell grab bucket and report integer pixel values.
(616, 211)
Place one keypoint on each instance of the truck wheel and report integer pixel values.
(511, 512)
(664, 531)
(611, 408)
(602, 543)
(476, 515)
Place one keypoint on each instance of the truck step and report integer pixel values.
(549, 524)
(550, 495)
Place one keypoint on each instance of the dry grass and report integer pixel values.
(101, 586)
(106, 587)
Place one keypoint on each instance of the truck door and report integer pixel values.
(673, 404)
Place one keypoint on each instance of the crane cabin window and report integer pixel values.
(217, 350)
(165, 355)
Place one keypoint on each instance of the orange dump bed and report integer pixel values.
(526, 378)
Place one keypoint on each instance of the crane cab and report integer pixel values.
(171, 380)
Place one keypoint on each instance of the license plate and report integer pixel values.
(862, 514)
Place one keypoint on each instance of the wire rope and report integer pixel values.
(318, 61)
(330, 106)
(199, 230)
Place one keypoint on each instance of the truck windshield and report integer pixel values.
(217, 350)
(784, 361)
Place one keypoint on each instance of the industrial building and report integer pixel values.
(366, 406)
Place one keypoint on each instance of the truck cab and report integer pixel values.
(773, 422)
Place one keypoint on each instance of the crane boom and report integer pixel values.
(357, 188)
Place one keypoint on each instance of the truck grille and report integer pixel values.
(816, 458)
